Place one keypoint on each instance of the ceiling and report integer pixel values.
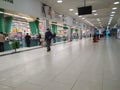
(103, 9)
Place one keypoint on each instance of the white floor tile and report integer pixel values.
(57, 86)
(28, 86)
(78, 65)
(2, 87)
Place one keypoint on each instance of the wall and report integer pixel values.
(30, 7)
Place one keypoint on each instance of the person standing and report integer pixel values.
(48, 37)
(27, 40)
(54, 37)
(2, 40)
(39, 37)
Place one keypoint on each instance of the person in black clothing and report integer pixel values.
(48, 37)
(2, 40)
(27, 40)
(39, 37)
(54, 37)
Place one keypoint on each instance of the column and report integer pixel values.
(2, 29)
(8, 24)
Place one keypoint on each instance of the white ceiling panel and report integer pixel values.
(103, 7)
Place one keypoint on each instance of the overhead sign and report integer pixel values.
(9, 1)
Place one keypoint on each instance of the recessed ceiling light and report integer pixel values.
(112, 12)
(94, 11)
(76, 13)
(59, 1)
(71, 9)
(116, 2)
(114, 8)
(98, 19)
(80, 16)
(60, 15)
(112, 15)
(95, 14)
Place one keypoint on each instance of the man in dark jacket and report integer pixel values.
(27, 40)
(48, 37)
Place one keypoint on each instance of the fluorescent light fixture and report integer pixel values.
(83, 18)
(60, 15)
(71, 9)
(94, 11)
(9, 14)
(116, 2)
(76, 13)
(114, 8)
(95, 14)
(1, 12)
(112, 12)
(17, 16)
(80, 16)
(108, 23)
(112, 15)
(59, 1)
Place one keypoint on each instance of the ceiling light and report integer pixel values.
(112, 12)
(60, 15)
(112, 15)
(9, 14)
(80, 16)
(108, 23)
(83, 18)
(116, 2)
(71, 9)
(98, 19)
(76, 13)
(95, 14)
(94, 11)
(114, 8)
(59, 1)
(1, 12)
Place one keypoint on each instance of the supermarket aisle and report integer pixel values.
(79, 65)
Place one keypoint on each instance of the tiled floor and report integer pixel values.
(79, 65)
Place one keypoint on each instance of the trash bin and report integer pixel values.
(15, 44)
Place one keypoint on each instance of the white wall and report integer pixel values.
(30, 7)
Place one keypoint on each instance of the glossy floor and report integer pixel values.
(79, 65)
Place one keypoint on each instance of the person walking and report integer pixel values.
(27, 40)
(48, 37)
(2, 40)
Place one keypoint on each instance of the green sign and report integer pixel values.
(10, 1)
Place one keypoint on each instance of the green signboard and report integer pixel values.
(10, 1)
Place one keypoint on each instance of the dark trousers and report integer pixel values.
(54, 40)
(48, 45)
(1, 46)
(28, 44)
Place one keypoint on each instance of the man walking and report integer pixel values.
(48, 37)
